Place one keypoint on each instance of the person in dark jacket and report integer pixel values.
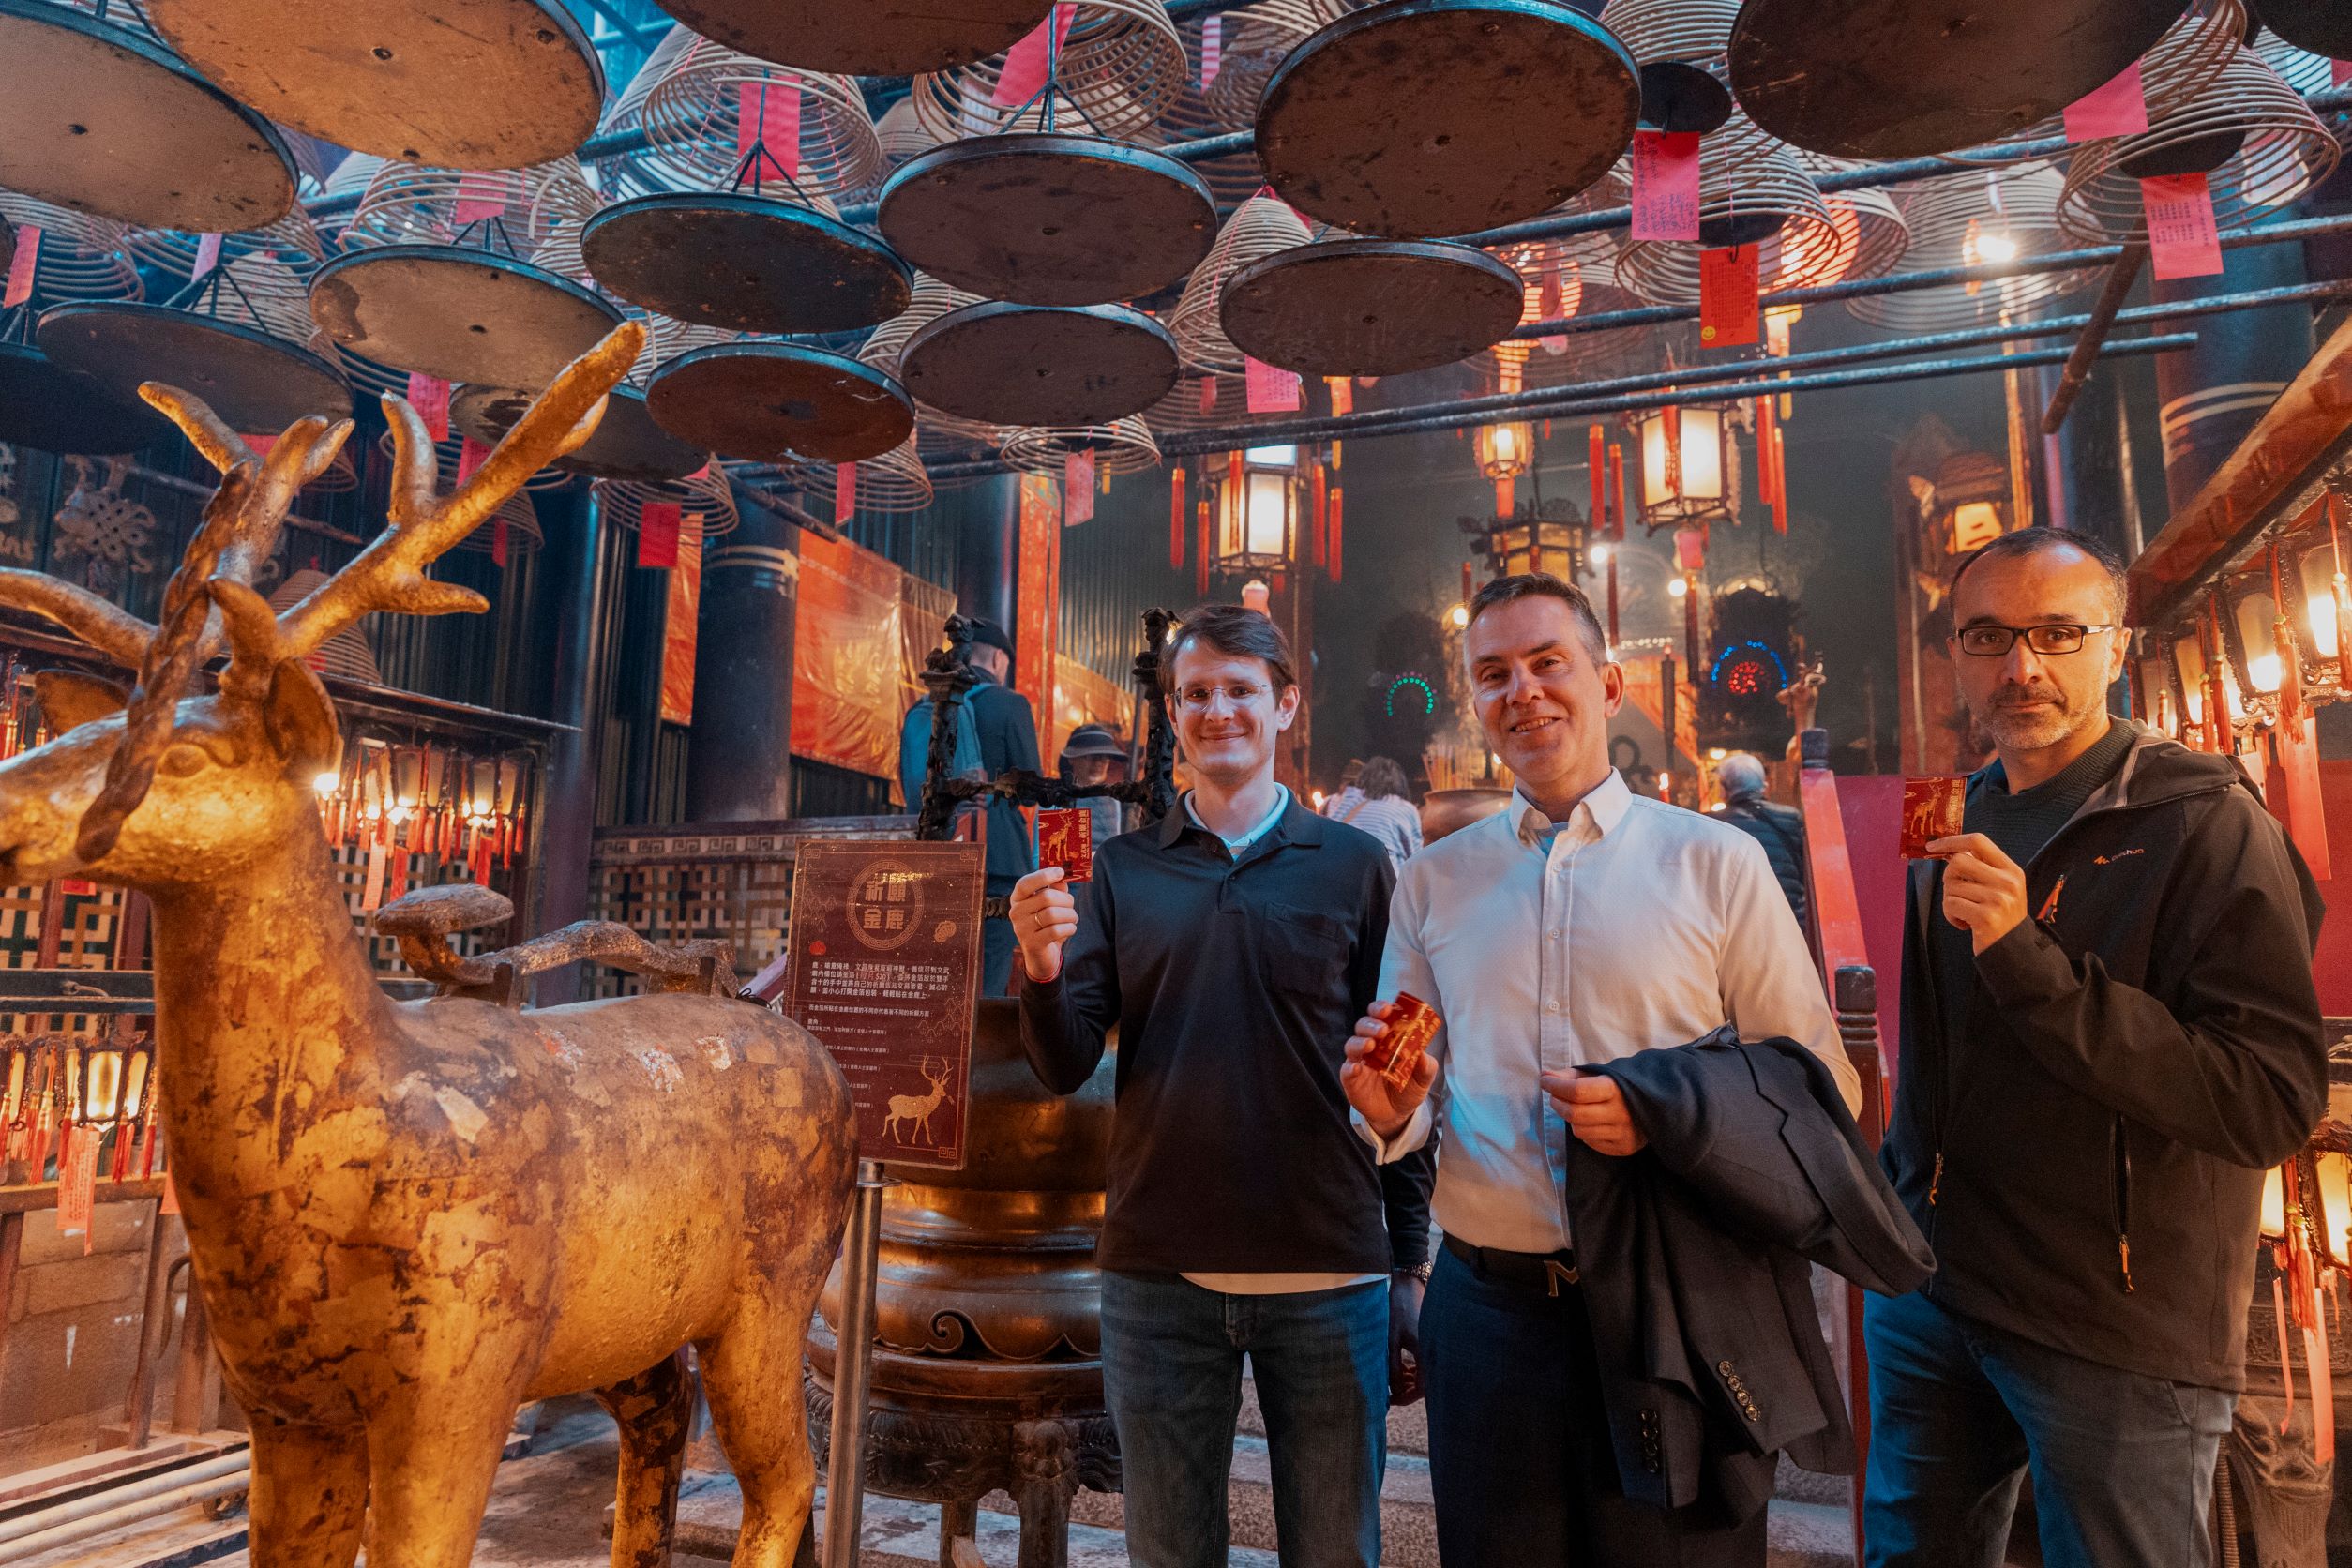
(2108, 1032)
(1008, 728)
(1779, 828)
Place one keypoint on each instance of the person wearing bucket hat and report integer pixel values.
(1093, 754)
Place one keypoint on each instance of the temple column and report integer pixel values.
(739, 752)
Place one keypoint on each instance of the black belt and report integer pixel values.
(1536, 1271)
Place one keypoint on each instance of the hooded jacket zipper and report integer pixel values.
(2120, 1144)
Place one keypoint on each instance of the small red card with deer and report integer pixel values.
(1066, 838)
(1412, 1024)
(1932, 810)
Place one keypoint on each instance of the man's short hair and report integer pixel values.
(1237, 632)
(1740, 775)
(1532, 585)
(2041, 541)
(1382, 777)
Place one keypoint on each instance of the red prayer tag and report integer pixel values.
(1078, 488)
(76, 884)
(471, 455)
(498, 542)
(1666, 185)
(207, 255)
(2183, 240)
(481, 193)
(2339, 73)
(702, 473)
(430, 397)
(1066, 838)
(1208, 393)
(1932, 810)
(844, 492)
(1268, 390)
(262, 444)
(1727, 295)
(657, 533)
(21, 267)
(77, 1186)
(1412, 1024)
(767, 117)
(1211, 50)
(1024, 69)
(2117, 108)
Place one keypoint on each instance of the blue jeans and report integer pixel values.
(1172, 1373)
(1520, 1464)
(1960, 1412)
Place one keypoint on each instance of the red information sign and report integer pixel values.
(2117, 108)
(1727, 295)
(1666, 185)
(2183, 240)
(844, 492)
(1078, 488)
(884, 967)
(657, 533)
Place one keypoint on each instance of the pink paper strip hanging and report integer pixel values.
(471, 455)
(1078, 488)
(1666, 185)
(844, 492)
(430, 397)
(1211, 50)
(657, 533)
(1025, 63)
(482, 193)
(767, 117)
(22, 266)
(207, 255)
(2114, 108)
(1268, 390)
(2182, 238)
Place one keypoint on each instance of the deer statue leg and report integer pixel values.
(309, 1495)
(432, 1456)
(656, 1410)
(750, 1375)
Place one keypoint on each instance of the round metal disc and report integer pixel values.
(628, 444)
(97, 118)
(44, 405)
(462, 84)
(2322, 26)
(255, 382)
(1041, 365)
(1371, 307)
(863, 37)
(1423, 117)
(747, 263)
(1679, 96)
(1046, 219)
(766, 403)
(458, 314)
(1908, 78)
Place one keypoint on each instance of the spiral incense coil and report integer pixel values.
(449, 456)
(1961, 219)
(1181, 411)
(936, 434)
(901, 134)
(895, 483)
(708, 496)
(561, 206)
(261, 291)
(82, 257)
(1872, 237)
(689, 119)
(1695, 37)
(1574, 357)
(1751, 191)
(290, 242)
(1121, 68)
(1233, 178)
(1253, 41)
(414, 203)
(345, 184)
(1257, 229)
(1122, 446)
(2258, 144)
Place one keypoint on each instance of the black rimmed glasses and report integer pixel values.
(2053, 637)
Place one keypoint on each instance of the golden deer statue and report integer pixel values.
(408, 1218)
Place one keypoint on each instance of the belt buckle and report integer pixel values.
(1557, 1273)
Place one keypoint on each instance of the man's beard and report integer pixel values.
(2013, 731)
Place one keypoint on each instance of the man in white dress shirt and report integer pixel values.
(1580, 925)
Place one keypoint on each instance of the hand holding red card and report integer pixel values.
(1932, 810)
(1067, 840)
(1412, 1023)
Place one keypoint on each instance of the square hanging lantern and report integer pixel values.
(1552, 538)
(1966, 506)
(2252, 625)
(1690, 466)
(2188, 663)
(1505, 451)
(1258, 511)
(2320, 623)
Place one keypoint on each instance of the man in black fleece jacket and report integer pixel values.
(2110, 1031)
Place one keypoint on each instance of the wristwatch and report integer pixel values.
(1420, 1271)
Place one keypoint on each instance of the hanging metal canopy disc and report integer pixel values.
(748, 264)
(97, 118)
(1426, 117)
(459, 313)
(45, 405)
(628, 444)
(2321, 26)
(863, 37)
(256, 382)
(1911, 78)
(460, 84)
(1041, 365)
(770, 402)
(1042, 219)
(1371, 307)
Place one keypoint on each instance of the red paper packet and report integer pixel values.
(1931, 810)
(1066, 838)
(1412, 1023)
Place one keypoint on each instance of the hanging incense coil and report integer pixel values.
(1181, 410)
(412, 203)
(901, 133)
(1260, 228)
(449, 455)
(289, 249)
(1233, 178)
(689, 118)
(344, 186)
(1573, 357)
(936, 434)
(1253, 41)
(895, 483)
(1684, 48)
(348, 652)
(2253, 137)
(1751, 191)
(82, 257)
(707, 495)
(1121, 68)
(1122, 446)
(261, 291)
(1963, 220)
(1873, 235)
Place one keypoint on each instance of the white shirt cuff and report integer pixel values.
(1410, 1136)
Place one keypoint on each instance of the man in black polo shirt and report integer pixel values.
(2109, 1029)
(1232, 944)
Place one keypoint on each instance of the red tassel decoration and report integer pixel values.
(1318, 515)
(1200, 557)
(2290, 656)
(1596, 465)
(1331, 549)
(1176, 519)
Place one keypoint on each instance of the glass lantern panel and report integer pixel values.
(1268, 509)
(2187, 658)
(2318, 574)
(2258, 633)
(1702, 454)
(1655, 490)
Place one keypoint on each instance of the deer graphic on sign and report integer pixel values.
(918, 1109)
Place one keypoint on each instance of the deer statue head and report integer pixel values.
(151, 786)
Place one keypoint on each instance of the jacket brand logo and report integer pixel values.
(2119, 855)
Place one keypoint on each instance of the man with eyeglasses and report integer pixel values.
(1231, 945)
(2108, 1032)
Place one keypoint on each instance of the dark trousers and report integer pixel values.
(1960, 1412)
(1520, 1458)
(997, 943)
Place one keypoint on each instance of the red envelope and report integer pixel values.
(1932, 810)
(1066, 838)
(1412, 1023)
